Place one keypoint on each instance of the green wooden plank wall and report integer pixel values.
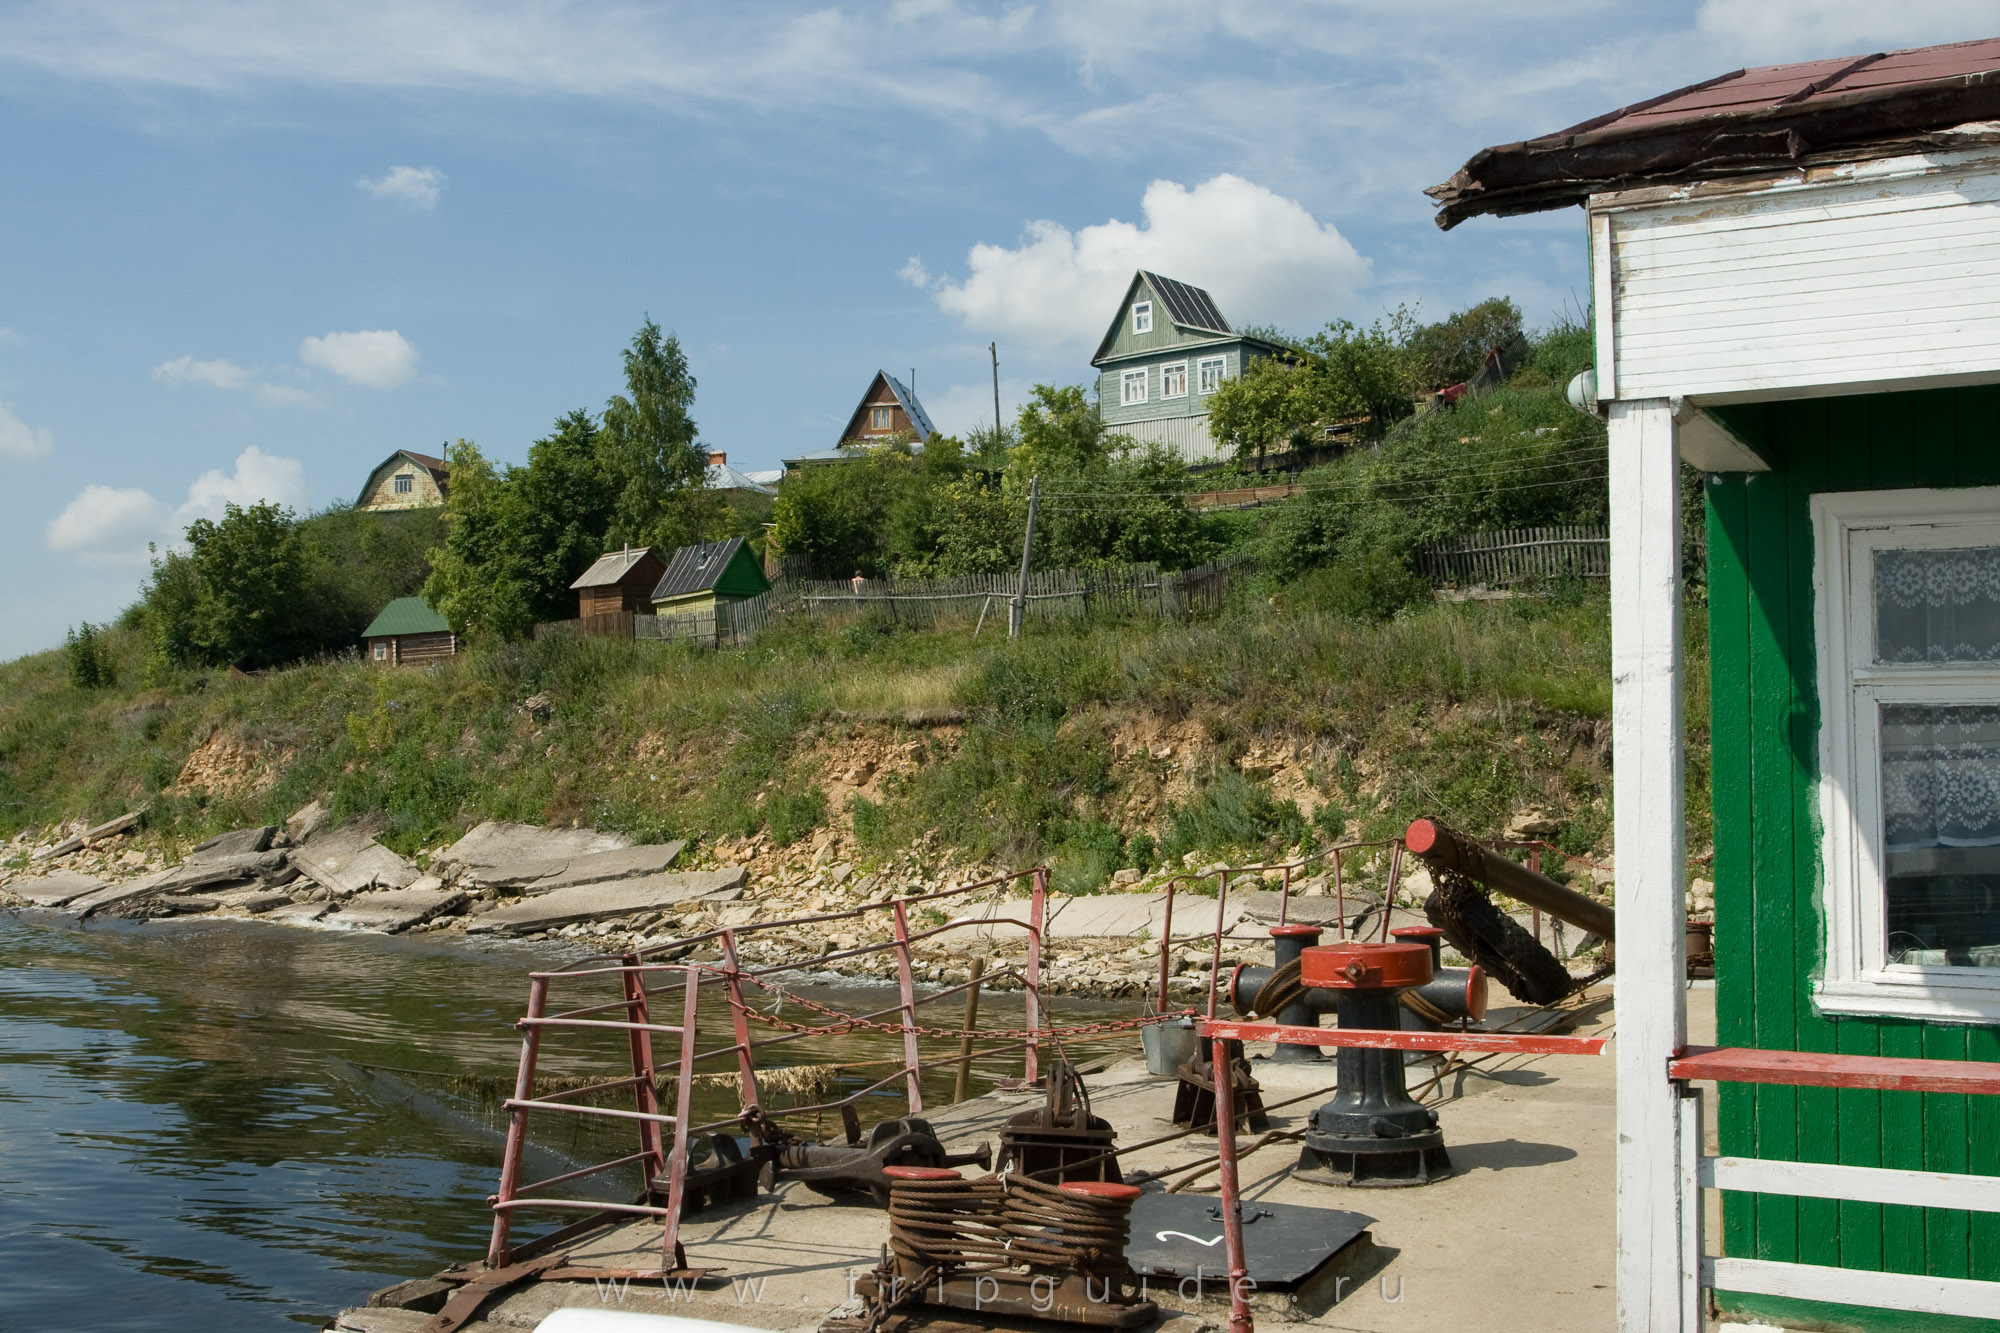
(1769, 935)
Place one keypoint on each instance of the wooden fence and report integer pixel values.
(722, 625)
(1517, 555)
(1053, 594)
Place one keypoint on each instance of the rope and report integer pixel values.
(1050, 1226)
(947, 1223)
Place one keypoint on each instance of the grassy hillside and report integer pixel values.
(1281, 722)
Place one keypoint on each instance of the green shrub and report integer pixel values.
(87, 657)
(790, 814)
(1231, 813)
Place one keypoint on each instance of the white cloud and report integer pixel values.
(108, 525)
(1782, 30)
(284, 395)
(113, 525)
(1263, 258)
(419, 187)
(216, 374)
(373, 358)
(20, 440)
(258, 477)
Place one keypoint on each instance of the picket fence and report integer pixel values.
(723, 625)
(1052, 594)
(1517, 555)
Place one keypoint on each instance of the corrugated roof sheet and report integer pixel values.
(696, 568)
(406, 615)
(722, 477)
(1746, 120)
(611, 568)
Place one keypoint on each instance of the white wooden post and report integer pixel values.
(1645, 515)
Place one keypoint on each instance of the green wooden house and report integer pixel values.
(708, 574)
(1167, 350)
(1791, 270)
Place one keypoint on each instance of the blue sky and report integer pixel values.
(246, 251)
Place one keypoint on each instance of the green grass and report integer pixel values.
(1468, 712)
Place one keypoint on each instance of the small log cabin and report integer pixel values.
(620, 581)
(408, 633)
(406, 480)
(1795, 274)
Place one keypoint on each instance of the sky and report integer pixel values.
(247, 251)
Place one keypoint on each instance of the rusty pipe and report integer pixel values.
(1447, 849)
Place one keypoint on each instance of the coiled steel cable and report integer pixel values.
(1047, 1225)
(944, 1223)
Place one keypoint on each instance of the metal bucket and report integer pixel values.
(1169, 1045)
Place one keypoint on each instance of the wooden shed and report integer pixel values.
(620, 581)
(1795, 279)
(409, 632)
(707, 573)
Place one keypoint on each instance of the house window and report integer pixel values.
(1208, 373)
(1132, 387)
(1909, 636)
(381, 651)
(1142, 317)
(403, 483)
(878, 418)
(1173, 380)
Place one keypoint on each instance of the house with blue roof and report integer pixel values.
(1167, 351)
(888, 411)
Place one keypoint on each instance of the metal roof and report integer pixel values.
(1190, 307)
(914, 409)
(722, 477)
(406, 615)
(611, 568)
(766, 476)
(1743, 121)
(696, 568)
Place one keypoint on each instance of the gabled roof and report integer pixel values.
(697, 568)
(439, 469)
(406, 615)
(920, 422)
(1187, 306)
(1747, 120)
(611, 568)
(722, 477)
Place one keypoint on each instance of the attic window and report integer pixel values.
(1132, 387)
(878, 418)
(403, 483)
(1142, 318)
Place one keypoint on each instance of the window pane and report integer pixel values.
(1941, 835)
(1938, 606)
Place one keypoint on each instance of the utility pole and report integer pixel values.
(993, 349)
(1017, 610)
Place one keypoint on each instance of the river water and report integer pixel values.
(186, 1139)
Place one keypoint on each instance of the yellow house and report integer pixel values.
(406, 480)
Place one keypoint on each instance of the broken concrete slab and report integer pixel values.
(113, 895)
(603, 902)
(588, 868)
(308, 821)
(388, 911)
(254, 901)
(298, 914)
(55, 889)
(498, 843)
(1114, 916)
(267, 868)
(78, 842)
(238, 842)
(348, 861)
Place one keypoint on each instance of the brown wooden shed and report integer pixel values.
(409, 632)
(620, 581)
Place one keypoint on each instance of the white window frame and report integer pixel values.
(1142, 317)
(381, 651)
(1129, 380)
(405, 483)
(1166, 390)
(1848, 528)
(1220, 364)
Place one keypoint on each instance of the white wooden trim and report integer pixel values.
(1848, 527)
(1709, 445)
(1604, 307)
(1651, 907)
(1909, 1292)
(1855, 1184)
(1976, 157)
(1689, 1161)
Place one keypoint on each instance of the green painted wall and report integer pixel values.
(1155, 408)
(1769, 928)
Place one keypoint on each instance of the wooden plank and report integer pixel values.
(1815, 1069)
(1828, 1180)
(1364, 1039)
(1906, 1292)
(1649, 833)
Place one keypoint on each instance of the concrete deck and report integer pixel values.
(1520, 1238)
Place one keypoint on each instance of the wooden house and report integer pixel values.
(1795, 274)
(888, 411)
(707, 574)
(1167, 350)
(619, 582)
(408, 633)
(406, 480)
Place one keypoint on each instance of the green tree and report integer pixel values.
(660, 469)
(477, 581)
(236, 595)
(86, 656)
(1338, 374)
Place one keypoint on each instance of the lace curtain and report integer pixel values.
(1941, 775)
(1938, 606)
